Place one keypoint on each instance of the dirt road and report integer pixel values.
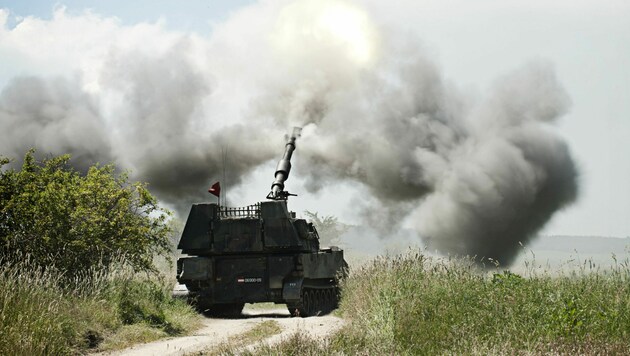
(216, 331)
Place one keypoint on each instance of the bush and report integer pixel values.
(73, 222)
(71, 249)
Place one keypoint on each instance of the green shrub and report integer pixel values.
(74, 222)
(68, 242)
(147, 301)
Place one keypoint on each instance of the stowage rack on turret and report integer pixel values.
(258, 253)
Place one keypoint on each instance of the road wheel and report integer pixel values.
(328, 301)
(319, 307)
(307, 303)
(335, 295)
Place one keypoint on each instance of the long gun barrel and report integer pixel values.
(284, 168)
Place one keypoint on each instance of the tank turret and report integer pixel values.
(258, 253)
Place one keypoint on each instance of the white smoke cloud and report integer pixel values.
(476, 177)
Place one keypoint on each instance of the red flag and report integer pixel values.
(215, 189)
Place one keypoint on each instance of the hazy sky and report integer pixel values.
(473, 44)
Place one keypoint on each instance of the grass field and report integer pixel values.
(413, 304)
(408, 304)
(41, 313)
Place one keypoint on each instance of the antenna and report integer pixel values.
(224, 152)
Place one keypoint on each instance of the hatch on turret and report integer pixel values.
(279, 229)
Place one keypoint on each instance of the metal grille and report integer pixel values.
(250, 211)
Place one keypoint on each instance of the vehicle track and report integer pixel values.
(216, 331)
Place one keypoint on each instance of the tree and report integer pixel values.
(328, 227)
(74, 222)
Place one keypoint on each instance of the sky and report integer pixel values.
(194, 15)
(471, 43)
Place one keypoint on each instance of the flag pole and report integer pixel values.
(215, 190)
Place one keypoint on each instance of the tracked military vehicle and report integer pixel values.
(258, 253)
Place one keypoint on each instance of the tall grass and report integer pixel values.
(43, 313)
(413, 304)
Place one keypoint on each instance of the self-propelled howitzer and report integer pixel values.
(259, 253)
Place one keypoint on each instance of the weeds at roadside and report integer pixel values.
(42, 313)
(297, 344)
(235, 345)
(409, 304)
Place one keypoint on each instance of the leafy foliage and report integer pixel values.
(62, 218)
(328, 228)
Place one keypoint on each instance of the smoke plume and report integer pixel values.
(476, 177)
